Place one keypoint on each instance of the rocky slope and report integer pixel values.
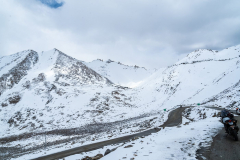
(15, 67)
(51, 89)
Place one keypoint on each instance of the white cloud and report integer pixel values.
(146, 33)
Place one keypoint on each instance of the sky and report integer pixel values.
(147, 33)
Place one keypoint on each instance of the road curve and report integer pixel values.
(174, 119)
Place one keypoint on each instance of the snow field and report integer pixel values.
(180, 142)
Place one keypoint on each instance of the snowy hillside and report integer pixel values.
(47, 89)
(194, 79)
(71, 100)
(53, 93)
(57, 94)
(118, 73)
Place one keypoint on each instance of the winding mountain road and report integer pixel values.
(222, 147)
(174, 119)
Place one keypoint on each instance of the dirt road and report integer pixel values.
(174, 118)
(223, 147)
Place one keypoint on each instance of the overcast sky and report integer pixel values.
(149, 33)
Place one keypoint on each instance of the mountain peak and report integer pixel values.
(201, 55)
(67, 66)
(15, 67)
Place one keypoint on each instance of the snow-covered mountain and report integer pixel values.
(46, 89)
(51, 91)
(118, 73)
(203, 76)
(53, 66)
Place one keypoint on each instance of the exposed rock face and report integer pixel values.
(67, 67)
(8, 80)
(27, 84)
(15, 99)
(41, 77)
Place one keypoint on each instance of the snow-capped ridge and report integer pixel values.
(111, 61)
(203, 55)
(7, 62)
(120, 74)
(67, 66)
(19, 68)
(194, 79)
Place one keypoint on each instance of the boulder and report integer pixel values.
(87, 158)
(98, 156)
(128, 146)
(107, 152)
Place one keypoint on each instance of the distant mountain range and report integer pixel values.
(51, 89)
